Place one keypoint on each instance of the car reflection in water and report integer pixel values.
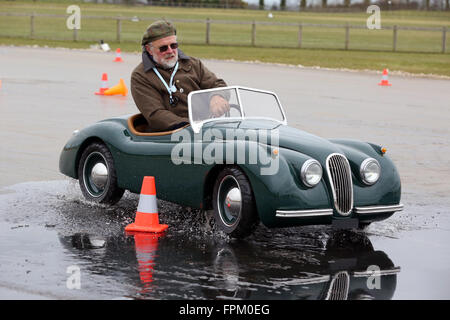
(348, 269)
(342, 266)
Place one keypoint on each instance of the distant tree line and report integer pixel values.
(413, 4)
(302, 4)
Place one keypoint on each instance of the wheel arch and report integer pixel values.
(87, 142)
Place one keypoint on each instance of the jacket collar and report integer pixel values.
(149, 63)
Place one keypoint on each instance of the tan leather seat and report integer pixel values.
(139, 127)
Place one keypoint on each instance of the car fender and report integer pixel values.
(284, 189)
(111, 133)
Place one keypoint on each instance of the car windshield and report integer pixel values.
(245, 103)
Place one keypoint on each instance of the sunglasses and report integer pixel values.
(164, 48)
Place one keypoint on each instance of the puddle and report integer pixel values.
(48, 231)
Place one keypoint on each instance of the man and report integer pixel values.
(161, 83)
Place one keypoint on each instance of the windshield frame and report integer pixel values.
(197, 125)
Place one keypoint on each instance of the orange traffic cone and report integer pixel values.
(121, 88)
(384, 79)
(147, 212)
(118, 56)
(104, 85)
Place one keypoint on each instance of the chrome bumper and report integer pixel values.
(356, 274)
(329, 212)
(304, 213)
(387, 272)
(378, 209)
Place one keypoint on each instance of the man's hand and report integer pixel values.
(218, 106)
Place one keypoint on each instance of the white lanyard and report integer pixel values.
(171, 87)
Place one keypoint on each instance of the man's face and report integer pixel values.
(168, 58)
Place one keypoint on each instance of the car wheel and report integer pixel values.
(97, 175)
(234, 204)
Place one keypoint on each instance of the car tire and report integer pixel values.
(234, 204)
(97, 175)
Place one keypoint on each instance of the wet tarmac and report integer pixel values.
(55, 245)
(49, 229)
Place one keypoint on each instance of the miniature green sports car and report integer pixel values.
(247, 165)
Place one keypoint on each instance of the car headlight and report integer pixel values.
(370, 171)
(311, 172)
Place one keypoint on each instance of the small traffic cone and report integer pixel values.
(118, 56)
(147, 212)
(121, 88)
(384, 79)
(104, 85)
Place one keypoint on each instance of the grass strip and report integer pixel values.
(416, 63)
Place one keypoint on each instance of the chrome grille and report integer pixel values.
(340, 177)
(339, 286)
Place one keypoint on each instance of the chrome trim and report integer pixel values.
(339, 287)
(344, 181)
(304, 213)
(378, 209)
(306, 281)
(365, 274)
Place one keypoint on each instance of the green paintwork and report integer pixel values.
(191, 184)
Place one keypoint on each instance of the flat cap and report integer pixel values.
(158, 30)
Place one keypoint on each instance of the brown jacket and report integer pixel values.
(151, 96)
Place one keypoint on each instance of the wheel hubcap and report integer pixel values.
(95, 174)
(233, 201)
(99, 175)
(229, 200)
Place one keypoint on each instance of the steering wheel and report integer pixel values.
(233, 106)
(227, 114)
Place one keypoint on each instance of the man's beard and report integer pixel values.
(167, 63)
